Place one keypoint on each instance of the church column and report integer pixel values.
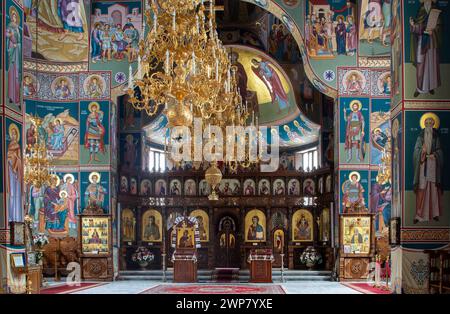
(420, 138)
(11, 138)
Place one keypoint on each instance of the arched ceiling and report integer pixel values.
(269, 91)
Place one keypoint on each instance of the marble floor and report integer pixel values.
(137, 286)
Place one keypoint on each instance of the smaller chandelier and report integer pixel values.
(37, 160)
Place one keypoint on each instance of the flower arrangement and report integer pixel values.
(40, 240)
(310, 257)
(142, 256)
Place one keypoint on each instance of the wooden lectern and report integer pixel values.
(185, 239)
(261, 265)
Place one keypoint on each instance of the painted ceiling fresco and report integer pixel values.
(265, 86)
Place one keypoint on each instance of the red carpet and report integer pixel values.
(214, 289)
(67, 289)
(365, 288)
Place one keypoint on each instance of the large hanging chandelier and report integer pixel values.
(37, 171)
(185, 69)
(183, 65)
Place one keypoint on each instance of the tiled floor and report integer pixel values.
(304, 287)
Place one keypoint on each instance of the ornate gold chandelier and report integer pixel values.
(183, 65)
(37, 170)
(185, 69)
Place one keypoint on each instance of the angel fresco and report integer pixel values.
(60, 132)
(265, 71)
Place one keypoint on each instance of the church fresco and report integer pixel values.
(353, 191)
(94, 190)
(116, 28)
(330, 30)
(94, 132)
(262, 83)
(353, 130)
(54, 207)
(31, 85)
(396, 52)
(380, 204)
(381, 83)
(302, 226)
(13, 55)
(152, 226)
(374, 27)
(354, 81)
(60, 129)
(62, 30)
(57, 87)
(94, 85)
(131, 151)
(397, 165)
(14, 170)
(427, 188)
(380, 129)
(426, 60)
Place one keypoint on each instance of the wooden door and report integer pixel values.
(227, 246)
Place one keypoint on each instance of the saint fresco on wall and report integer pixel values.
(426, 59)
(397, 163)
(426, 186)
(94, 190)
(94, 141)
(13, 56)
(380, 203)
(14, 171)
(354, 191)
(354, 130)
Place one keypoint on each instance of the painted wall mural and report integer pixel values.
(426, 59)
(354, 191)
(95, 189)
(94, 140)
(60, 129)
(397, 165)
(374, 27)
(380, 129)
(54, 207)
(116, 28)
(427, 188)
(13, 55)
(14, 170)
(396, 52)
(354, 130)
(130, 153)
(380, 204)
(61, 27)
